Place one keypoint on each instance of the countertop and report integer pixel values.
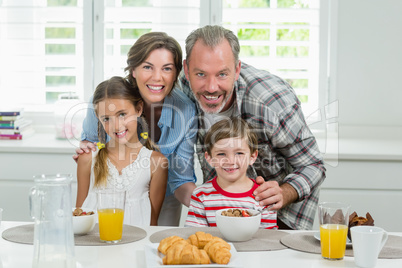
(13, 255)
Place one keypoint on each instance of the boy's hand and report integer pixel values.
(85, 147)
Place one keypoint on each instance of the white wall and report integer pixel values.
(369, 62)
(366, 61)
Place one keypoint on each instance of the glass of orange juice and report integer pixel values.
(111, 205)
(334, 221)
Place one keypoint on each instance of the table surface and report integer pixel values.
(14, 255)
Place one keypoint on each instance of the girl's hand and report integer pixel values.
(77, 211)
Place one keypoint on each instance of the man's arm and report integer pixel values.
(295, 142)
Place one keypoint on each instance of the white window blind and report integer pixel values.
(282, 37)
(41, 50)
(49, 47)
(126, 21)
(46, 48)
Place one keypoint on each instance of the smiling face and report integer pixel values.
(212, 73)
(231, 157)
(119, 119)
(155, 76)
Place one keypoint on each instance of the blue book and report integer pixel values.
(10, 111)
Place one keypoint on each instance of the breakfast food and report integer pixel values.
(236, 213)
(218, 250)
(355, 220)
(199, 239)
(182, 252)
(168, 242)
(199, 248)
(80, 212)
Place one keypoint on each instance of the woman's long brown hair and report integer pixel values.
(147, 43)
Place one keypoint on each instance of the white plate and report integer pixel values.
(153, 259)
(317, 236)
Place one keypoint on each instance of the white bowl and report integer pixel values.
(84, 224)
(238, 229)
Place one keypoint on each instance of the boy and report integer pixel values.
(231, 148)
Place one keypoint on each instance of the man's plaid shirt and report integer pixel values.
(287, 150)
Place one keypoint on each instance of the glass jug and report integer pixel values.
(51, 209)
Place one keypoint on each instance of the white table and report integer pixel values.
(14, 255)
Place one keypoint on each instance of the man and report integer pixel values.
(289, 159)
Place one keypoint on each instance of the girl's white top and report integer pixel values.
(135, 179)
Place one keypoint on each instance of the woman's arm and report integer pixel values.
(183, 193)
(90, 124)
(157, 187)
(89, 134)
(84, 164)
(181, 171)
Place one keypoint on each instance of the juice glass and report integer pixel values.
(111, 215)
(334, 221)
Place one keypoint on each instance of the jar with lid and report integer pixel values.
(68, 116)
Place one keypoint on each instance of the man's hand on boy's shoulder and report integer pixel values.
(270, 193)
(85, 147)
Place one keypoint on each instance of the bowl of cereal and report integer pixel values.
(83, 221)
(238, 224)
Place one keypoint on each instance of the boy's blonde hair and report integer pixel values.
(233, 127)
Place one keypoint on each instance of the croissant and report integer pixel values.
(200, 239)
(218, 250)
(168, 242)
(182, 252)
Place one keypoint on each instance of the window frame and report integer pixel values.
(210, 13)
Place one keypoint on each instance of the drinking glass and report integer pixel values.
(334, 221)
(111, 215)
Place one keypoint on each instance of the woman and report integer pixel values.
(153, 65)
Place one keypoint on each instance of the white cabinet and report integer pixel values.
(20, 161)
(368, 186)
(368, 181)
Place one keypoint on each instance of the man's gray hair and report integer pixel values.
(212, 35)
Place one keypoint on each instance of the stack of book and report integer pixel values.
(13, 126)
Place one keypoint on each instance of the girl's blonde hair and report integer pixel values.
(115, 88)
(233, 127)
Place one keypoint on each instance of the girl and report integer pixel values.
(123, 163)
(153, 65)
(231, 148)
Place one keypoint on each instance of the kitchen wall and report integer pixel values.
(369, 63)
(366, 64)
